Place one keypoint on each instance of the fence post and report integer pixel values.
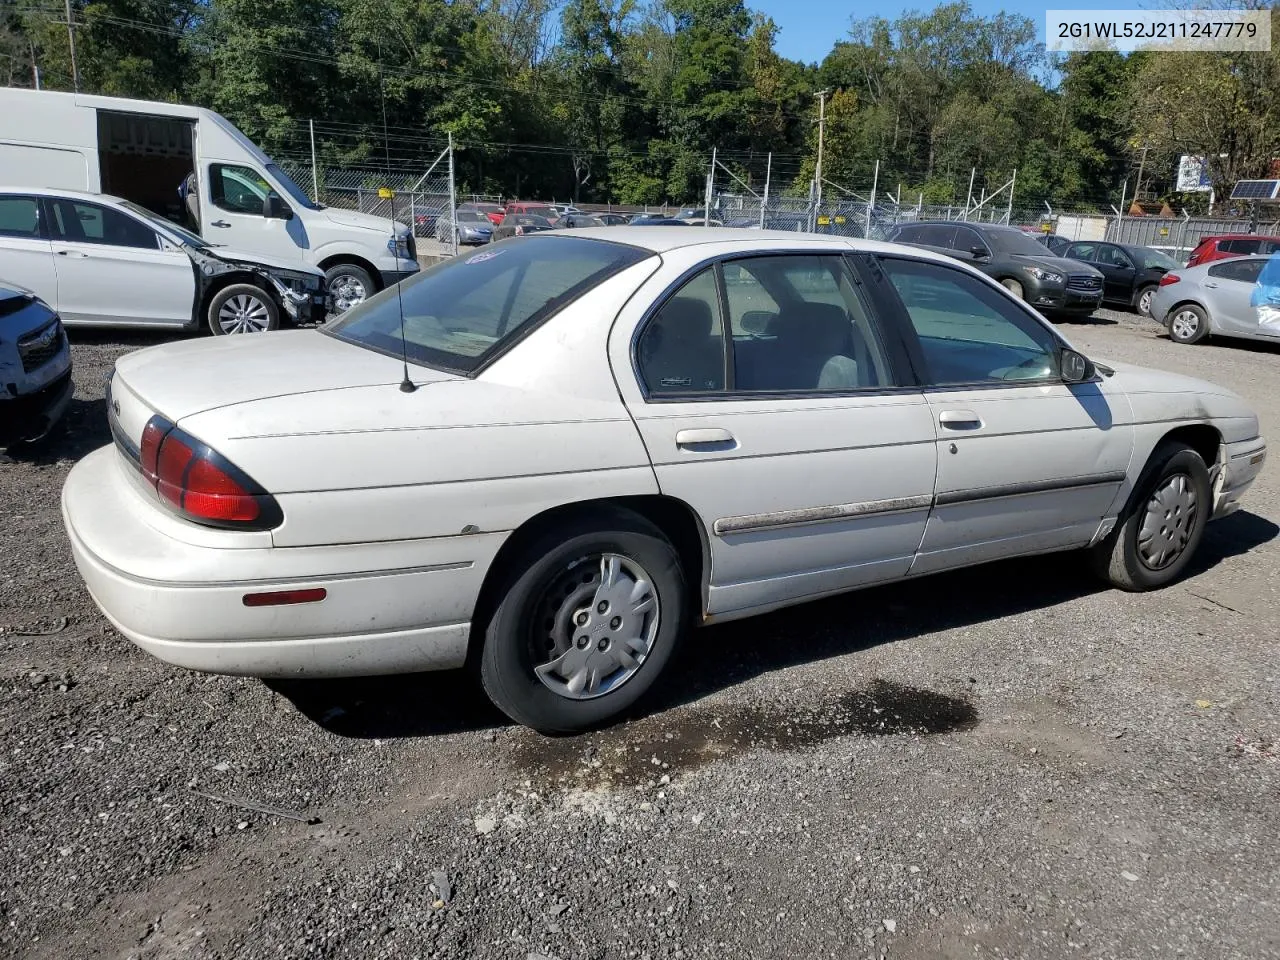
(453, 213)
(871, 201)
(768, 172)
(711, 180)
(315, 179)
(1008, 212)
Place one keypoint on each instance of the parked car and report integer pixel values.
(1053, 285)
(100, 260)
(145, 151)
(696, 216)
(580, 482)
(425, 220)
(1130, 274)
(1232, 245)
(1055, 243)
(468, 227)
(1212, 299)
(564, 209)
(654, 221)
(612, 219)
(493, 212)
(525, 208)
(581, 220)
(35, 366)
(519, 224)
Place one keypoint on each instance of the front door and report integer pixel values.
(1026, 462)
(771, 402)
(113, 268)
(26, 258)
(1232, 283)
(233, 213)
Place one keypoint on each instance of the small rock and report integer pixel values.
(913, 869)
(222, 767)
(553, 928)
(443, 888)
(646, 805)
(486, 825)
(242, 825)
(1131, 877)
(891, 925)
(697, 818)
(666, 778)
(673, 885)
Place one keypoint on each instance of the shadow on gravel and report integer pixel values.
(112, 336)
(725, 655)
(83, 429)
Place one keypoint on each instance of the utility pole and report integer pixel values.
(1137, 188)
(822, 133)
(71, 38)
(453, 202)
(35, 66)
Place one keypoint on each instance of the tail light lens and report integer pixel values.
(1169, 278)
(200, 483)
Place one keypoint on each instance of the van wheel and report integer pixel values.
(587, 618)
(348, 285)
(242, 308)
(1162, 524)
(1014, 287)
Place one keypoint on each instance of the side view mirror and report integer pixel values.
(274, 208)
(979, 253)
(1075, 367)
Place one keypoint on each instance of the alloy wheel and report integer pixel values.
(244, 314)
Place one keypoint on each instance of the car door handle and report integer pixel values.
(959, 420)
(79, 255)
(701, 438)
(219, 223)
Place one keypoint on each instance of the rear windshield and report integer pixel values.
(1015, 242)
(465, 310)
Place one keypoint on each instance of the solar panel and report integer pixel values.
(1256, 190)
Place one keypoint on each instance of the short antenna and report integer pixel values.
(406, 385)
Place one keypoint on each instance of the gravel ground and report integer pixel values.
(1003, 762)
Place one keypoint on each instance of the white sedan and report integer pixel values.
(550, 459)
(102, 261)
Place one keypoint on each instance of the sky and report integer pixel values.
(810, 28)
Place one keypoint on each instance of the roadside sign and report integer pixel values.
(384, 193)
(824, 221)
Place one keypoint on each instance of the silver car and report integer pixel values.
(1211, 299)
(468, 226)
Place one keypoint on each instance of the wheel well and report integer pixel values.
(355, 261)
(1200, 437)
(673, 517)
(224, 280)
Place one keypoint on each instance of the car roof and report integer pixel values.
(660, 239)
(1239, 236)
(62, 194)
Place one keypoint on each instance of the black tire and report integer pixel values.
(1118, 559)
(1142, 299)
(518, 635)
(342, 280)
(1187, 323)
(1014, 287)
(251, 308)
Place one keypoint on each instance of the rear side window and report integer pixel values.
(464, 311)
(1246, 271)
(19, 217)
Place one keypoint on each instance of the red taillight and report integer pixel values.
(1169, 278)
(200, 482)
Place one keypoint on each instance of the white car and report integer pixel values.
(102, 261)
(551, 458)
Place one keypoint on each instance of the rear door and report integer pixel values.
(113, 268)
(1026, 462)
(770, 402)
(26, 257)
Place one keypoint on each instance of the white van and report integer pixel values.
(144, 151)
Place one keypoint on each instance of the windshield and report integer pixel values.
(294, 191)
(1154, 258)
(182, 235)
(465, 310)
(540, 212)
(1016, 242)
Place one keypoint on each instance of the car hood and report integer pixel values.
(1057, 264)
(188, 377)
(247, 258)
(361, 221)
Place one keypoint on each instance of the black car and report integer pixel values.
(582, 220)
(658, 222)
(612, 219)
(1055, 243)
(519, 224)
(1053, 285)
(1130, 274)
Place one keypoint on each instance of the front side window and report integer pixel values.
(969, 332)
(77, 222)
(465, 310)
(1112, 256)
(19, 217)
(238, 189)
(970, 240)
(1087, 252)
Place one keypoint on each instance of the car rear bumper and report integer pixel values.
(1242, 463)
(177, 590)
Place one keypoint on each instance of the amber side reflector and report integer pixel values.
(279, 598)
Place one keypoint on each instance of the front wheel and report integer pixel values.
(348, 285)
(587, 618)
(242, 308)
(1163, 523)
(1188, 324)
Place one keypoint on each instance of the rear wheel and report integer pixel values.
(1014, 287)
(1162, 524)
(242, 308)
(1188, 324)
(1142, 300)
(588, 616)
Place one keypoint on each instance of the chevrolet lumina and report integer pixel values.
(550, 459)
